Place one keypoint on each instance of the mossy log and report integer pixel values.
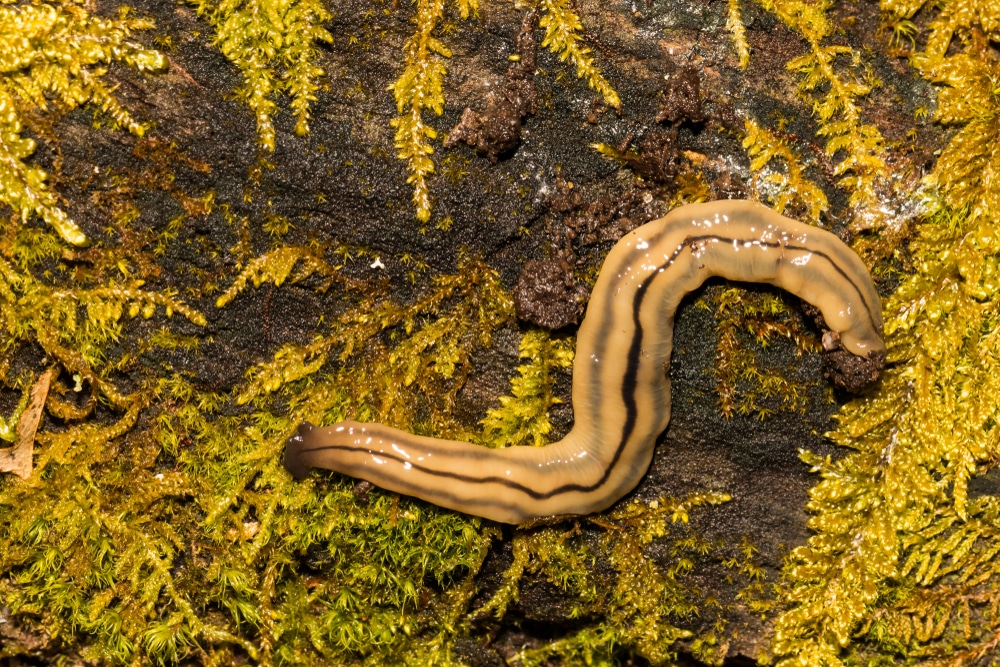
(246, 214)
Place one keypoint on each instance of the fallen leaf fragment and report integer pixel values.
(17, 459)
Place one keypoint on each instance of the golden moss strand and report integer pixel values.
(834, 94)
(273, 44)
(57, 51)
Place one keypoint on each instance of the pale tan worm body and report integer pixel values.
(621, 392)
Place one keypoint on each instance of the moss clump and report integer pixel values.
(57, 52)
(645, 602)
(273, 44)
(180, 536)
(63, 550)
(744, 385)
(435, 338)
(900, 544)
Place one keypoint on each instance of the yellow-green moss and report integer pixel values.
(273, 44)
(56, 51)
(160, 526)
(523, 417)
(181, 536)
(899, 545)
(788, 191)
(748, 321)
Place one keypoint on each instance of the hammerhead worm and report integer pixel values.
(621, 392)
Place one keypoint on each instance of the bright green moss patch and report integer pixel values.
(901, 549)
(179, 535)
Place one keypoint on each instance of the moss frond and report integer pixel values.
(32, 310)
(900, 540)
(954, 19)
(791, 190)
(835, 94)
(744, 386)
(734, 24)
(523, 417)
(276, 267)
(609, 152)
(57, 51)
(563, 37)
(417, 89)
(273, 44)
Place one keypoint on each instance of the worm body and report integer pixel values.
(621, 392)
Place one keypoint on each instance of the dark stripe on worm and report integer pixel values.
(574, 475)
(628, 387)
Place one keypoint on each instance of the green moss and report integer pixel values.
(57, 52)
(160, 526)
(523, 417)
(562, 36)
(788, 191)
(276, 267)
(181, 536)
(898, 541)
(273, 44)
(747, 322)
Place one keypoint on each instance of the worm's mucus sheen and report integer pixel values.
(621, 392)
